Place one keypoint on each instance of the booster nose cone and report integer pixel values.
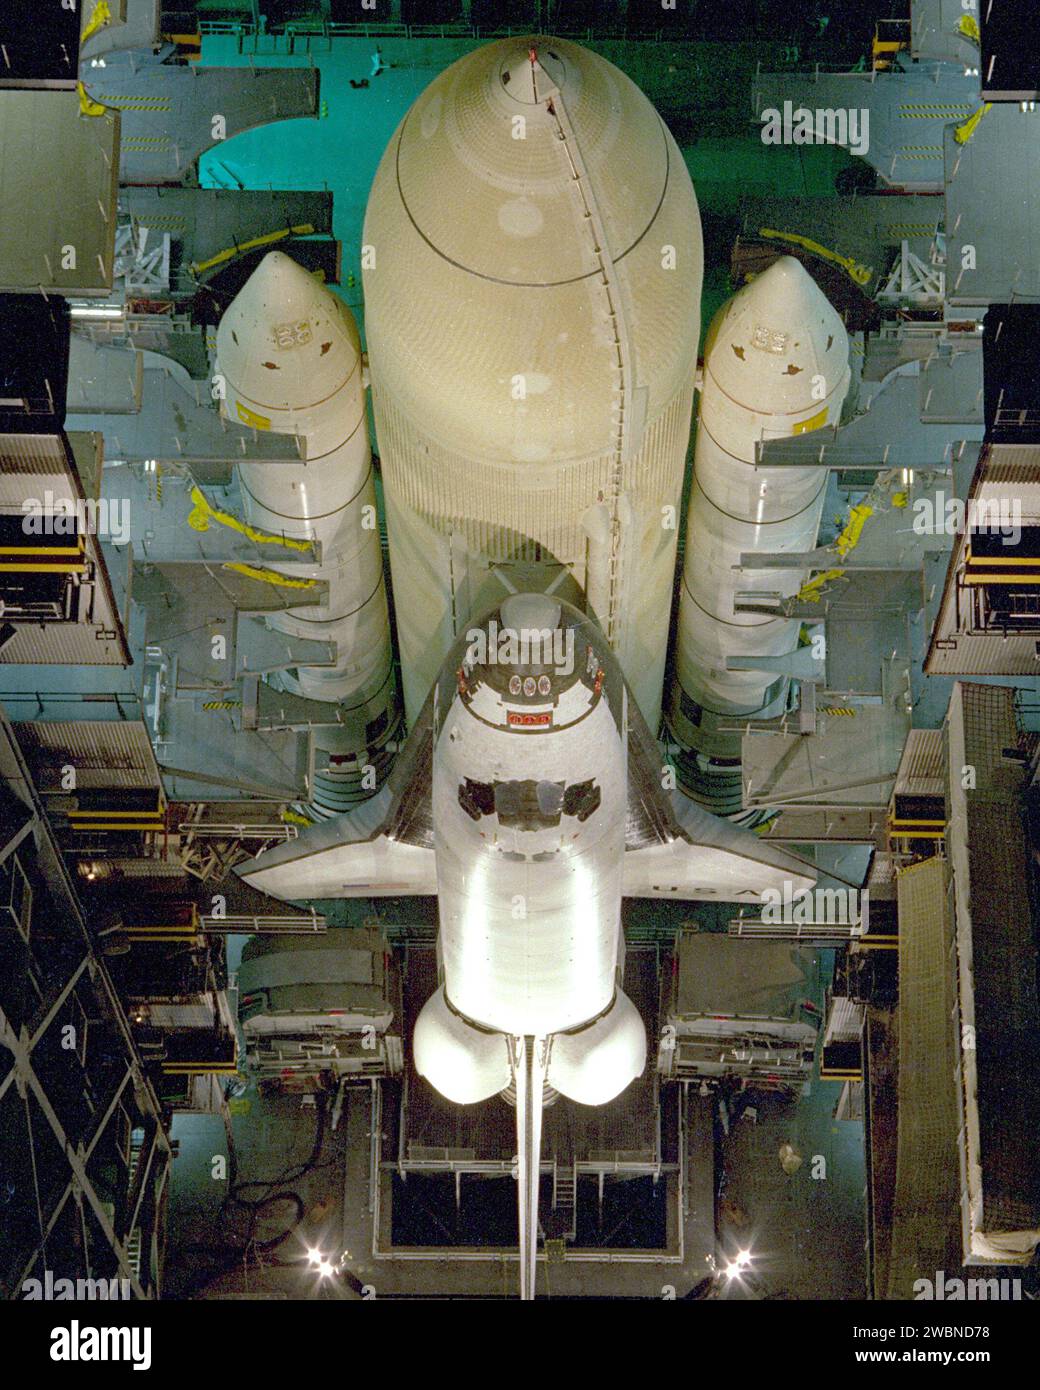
(786, 286)
(776, 339)
(285, 342)
(289, 361)
(776, 364)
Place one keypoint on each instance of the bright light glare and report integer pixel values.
(732, 1270)
(325, 1268)
(316, 1258)
(743, 1259)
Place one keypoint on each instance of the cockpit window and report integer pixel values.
(527, 804)
(581, 799)
(476, 798)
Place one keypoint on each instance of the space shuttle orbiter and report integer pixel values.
(395, 845)
(530, 799)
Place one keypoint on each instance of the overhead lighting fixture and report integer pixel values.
(735, 1267)
(96, 311)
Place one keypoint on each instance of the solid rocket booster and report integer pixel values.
(532, 273)
(776, 363)
(290, 356)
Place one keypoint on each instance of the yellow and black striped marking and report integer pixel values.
(134, 103)
(912, 111)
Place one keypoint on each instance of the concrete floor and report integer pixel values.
(806, 1230)
(205, 1258)
(807, 1234)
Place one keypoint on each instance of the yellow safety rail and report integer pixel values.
(270, 576)
(860, 274)
(230, 252)
(203, 512)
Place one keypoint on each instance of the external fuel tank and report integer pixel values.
(776, 363)
(532, 271)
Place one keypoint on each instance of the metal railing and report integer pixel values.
(457, 29)
(292, 924)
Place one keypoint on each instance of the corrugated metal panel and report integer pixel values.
(1022, 496)
(67, 644)
(110, 867)
(921, 766)
(103, 754)
(1011, 463)
(925, 1205)
(199, 1014)
(49, 461)
(985, 654)
(71, 460)
(883, 870)
(845, 1021)
(39, 456)
(1011, 472)
(997, 977)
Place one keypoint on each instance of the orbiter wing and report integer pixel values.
(384, 848)
(674, 849)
